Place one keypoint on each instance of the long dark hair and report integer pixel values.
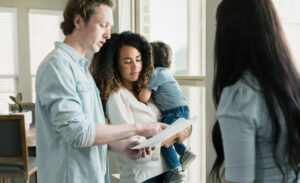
(104, 66)
(249, 37)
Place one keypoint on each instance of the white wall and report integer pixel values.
(211, 6)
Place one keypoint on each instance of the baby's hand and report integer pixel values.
(144, 95)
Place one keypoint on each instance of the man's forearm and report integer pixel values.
(106, 134)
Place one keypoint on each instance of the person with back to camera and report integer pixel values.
(257, 95)
(169, 99)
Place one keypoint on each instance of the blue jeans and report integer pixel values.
(158, 179)
(169, 117)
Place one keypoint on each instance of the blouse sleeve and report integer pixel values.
(237, 115)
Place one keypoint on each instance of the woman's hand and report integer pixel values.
(124, 146)
(146, 151)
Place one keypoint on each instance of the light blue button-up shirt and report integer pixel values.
(67, 106)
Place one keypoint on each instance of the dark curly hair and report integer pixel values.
(104, 65)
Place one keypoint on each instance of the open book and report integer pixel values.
(171, 130)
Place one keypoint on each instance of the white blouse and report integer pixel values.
(122, 107)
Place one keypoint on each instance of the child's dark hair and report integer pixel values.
(162, 54)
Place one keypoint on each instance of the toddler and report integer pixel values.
(168, 97)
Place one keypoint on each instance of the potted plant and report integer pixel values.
(17, 100)
(27, 114)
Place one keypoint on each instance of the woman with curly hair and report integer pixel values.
(121, 68)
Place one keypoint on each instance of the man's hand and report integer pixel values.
(124, 146)
(150, 129)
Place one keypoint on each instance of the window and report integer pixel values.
(178, 23)
(9, 56)
(289, 13)
(167, 26)
(181, 24)
(44, 31)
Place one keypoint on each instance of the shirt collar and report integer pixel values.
(82, 61)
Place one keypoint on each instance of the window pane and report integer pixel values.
(162, 22)
(8, 55)
(8, 40)
(44, 31)
(290, 16)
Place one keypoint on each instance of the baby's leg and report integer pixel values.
(176, 173)
(171, 157)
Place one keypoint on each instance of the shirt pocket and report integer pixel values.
(84, 92)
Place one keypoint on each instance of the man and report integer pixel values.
(71, 130)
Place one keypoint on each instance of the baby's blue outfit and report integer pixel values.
(246, 130)
(169, 99)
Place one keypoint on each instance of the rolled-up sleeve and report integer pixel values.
(236, 115)
(87, 138)
(57, 93)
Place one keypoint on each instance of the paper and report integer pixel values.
(171, 130)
